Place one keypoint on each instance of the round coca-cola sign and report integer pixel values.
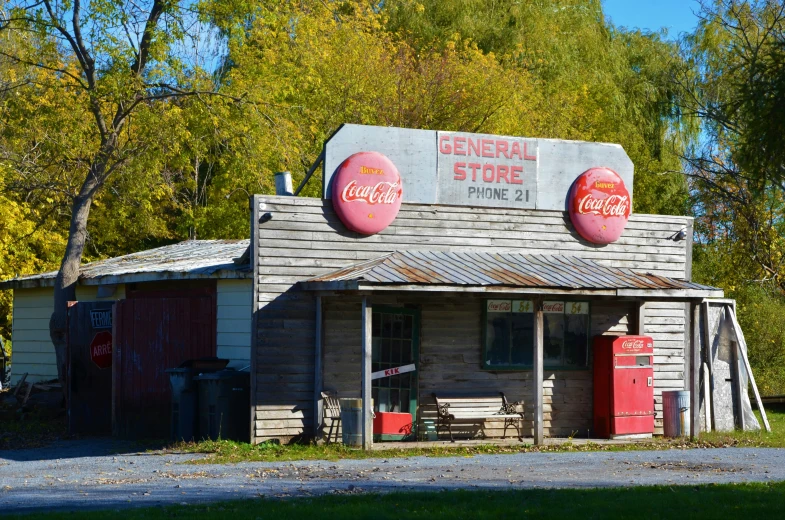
(599, 205)
(367, 192)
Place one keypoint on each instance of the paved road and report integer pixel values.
(104, 474)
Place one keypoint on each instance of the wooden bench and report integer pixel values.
(476, 409)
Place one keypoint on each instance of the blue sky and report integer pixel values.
(674, 15)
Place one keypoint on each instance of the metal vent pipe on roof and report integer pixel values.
(283, 184)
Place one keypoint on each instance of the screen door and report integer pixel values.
(395, 344)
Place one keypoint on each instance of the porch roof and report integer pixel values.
(504, 272)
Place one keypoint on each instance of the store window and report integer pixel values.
(509, 334)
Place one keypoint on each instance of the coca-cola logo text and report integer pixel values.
(613, 206)
(553, 306)
(499, 306)
(632, 344)
(380, 193)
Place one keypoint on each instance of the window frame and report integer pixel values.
(524, 368)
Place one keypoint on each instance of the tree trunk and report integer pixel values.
(65, 283)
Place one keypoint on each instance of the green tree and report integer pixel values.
(105, 73)
(734, 83)
(589, 80)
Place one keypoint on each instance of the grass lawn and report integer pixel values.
(229, 451)
(661, 502)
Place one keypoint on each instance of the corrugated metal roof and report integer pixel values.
(184, 260)
(500, 269)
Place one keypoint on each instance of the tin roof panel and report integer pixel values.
(188, 259)
(501, 269)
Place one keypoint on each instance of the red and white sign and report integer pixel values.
(367, 192)
(101, 349)
(553, 307)
(499, 306)
(636, 344)
(599, 205)
(393, 371)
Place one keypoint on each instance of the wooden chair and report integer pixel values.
(331, 410)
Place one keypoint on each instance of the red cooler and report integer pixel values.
(392, 426)
(623, 386)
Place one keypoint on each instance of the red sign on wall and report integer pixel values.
(599, 205)
(101, 349)
(367, 192)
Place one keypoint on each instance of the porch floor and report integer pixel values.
(390, 445)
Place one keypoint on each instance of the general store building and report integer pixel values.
(488, 263)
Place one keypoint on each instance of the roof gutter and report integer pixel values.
(652, 294)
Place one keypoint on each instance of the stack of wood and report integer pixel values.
(23, 389)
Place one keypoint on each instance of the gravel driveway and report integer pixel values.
(97, 474)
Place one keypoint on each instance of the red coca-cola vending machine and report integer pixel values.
(623, 386)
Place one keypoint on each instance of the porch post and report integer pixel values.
(695, 368)
(318, 376)
(641, 319)
(367, 320)
(537, 372)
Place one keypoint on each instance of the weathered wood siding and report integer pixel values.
(33, 353)
(665, 323)
(450, 359)
(304, 238)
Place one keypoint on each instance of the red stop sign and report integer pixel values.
(101, 349)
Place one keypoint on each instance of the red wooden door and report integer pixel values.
(151, 335)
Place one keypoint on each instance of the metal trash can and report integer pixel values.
(185, 400)
(352, 422)
(224, 405)
(676, 413)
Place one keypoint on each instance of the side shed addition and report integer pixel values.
(219, 266)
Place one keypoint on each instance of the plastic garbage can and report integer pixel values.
(224, 405)
(184, 426)
(676, 413)
(183, 420)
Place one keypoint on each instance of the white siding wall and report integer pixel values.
(32, 349)
(234, 321)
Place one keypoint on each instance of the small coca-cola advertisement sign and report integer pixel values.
(553, 307)
(523, 306)
(499, 305)
(367, 192)
(599, 205)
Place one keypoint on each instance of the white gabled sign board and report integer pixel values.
(463, 169)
